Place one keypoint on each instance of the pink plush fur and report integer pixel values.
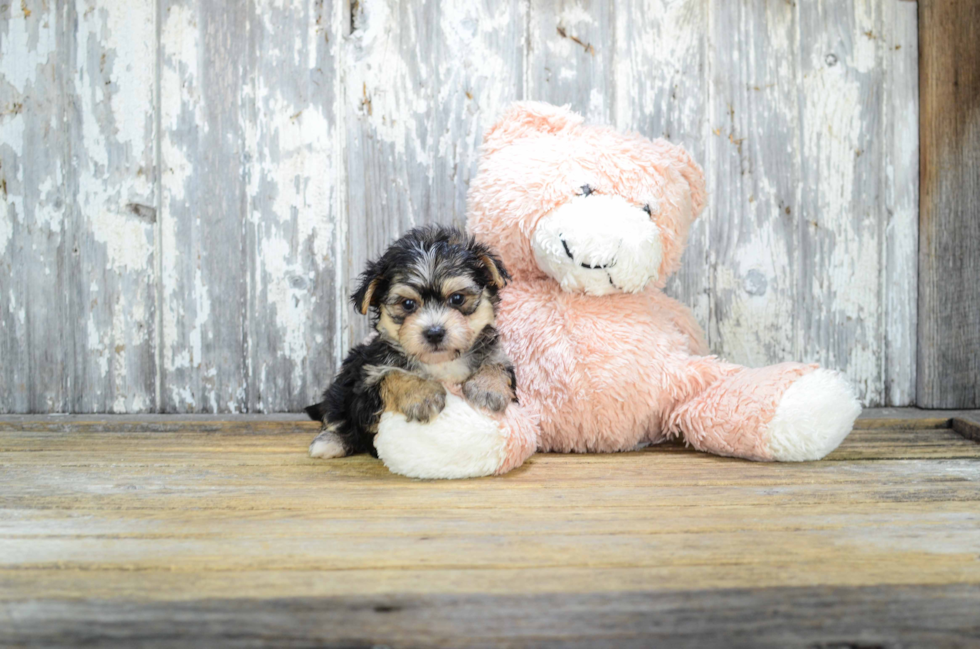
(607, 373)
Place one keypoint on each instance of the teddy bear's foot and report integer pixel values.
(461, 442)
(788, 412)
(814, 416)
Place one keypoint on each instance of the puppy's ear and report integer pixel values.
(491, 263)
(367, 293)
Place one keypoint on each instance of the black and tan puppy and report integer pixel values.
(432, 297)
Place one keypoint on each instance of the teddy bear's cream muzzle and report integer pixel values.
(599, 244)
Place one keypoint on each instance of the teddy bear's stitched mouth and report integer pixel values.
(572, 257)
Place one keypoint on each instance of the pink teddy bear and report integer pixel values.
(590, 222)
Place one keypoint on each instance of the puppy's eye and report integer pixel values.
(586, 190)
(457, 299)
(646, 208)
(409, 305)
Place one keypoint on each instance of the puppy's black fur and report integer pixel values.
(422, 259)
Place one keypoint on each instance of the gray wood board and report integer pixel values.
(249, 206)
(817, 616)
(110, 61)
(203, 259)
(949, 241)
(190, 192)
(37, 330)
(295, 245)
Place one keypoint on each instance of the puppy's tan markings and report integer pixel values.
(365, 304)
(482, 316)
(386, 325)
(399, 292)
(417, 398)
(490, 388)
(462, 285)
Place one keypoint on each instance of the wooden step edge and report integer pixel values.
(968, 425)
(964, 422)
(285, 423)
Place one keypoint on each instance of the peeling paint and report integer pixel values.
(571, 56)
(6, 226)
(27, 44)
(127, 241)
(841, 237)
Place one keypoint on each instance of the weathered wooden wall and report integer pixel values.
(189, 186)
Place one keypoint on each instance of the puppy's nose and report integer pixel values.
(435, 334)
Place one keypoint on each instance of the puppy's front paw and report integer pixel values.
(492, 395)
(327, 445)
(424, 402)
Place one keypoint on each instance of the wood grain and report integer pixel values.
(874, 616)
(570, 56)
(110, 532)
(37, 327)
(897, 54)
(949, 239)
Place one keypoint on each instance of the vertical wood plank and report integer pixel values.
(898, 55)
(295, 246)
(661, 87)
(571, 52)
(840, 226)
(423, 81)
(37, 333)
(948, 373)
(204, 261)
(111, 67)
(753, 180)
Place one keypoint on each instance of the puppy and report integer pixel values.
(432, 298)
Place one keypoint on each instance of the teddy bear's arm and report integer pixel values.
(682, 317)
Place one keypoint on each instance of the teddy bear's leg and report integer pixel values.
(461, 442)
(788, 412)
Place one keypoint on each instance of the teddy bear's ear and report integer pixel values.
(527, 117)
(692, 173)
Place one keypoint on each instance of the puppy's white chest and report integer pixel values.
(456, 371)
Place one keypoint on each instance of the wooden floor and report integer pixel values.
(147, 532)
